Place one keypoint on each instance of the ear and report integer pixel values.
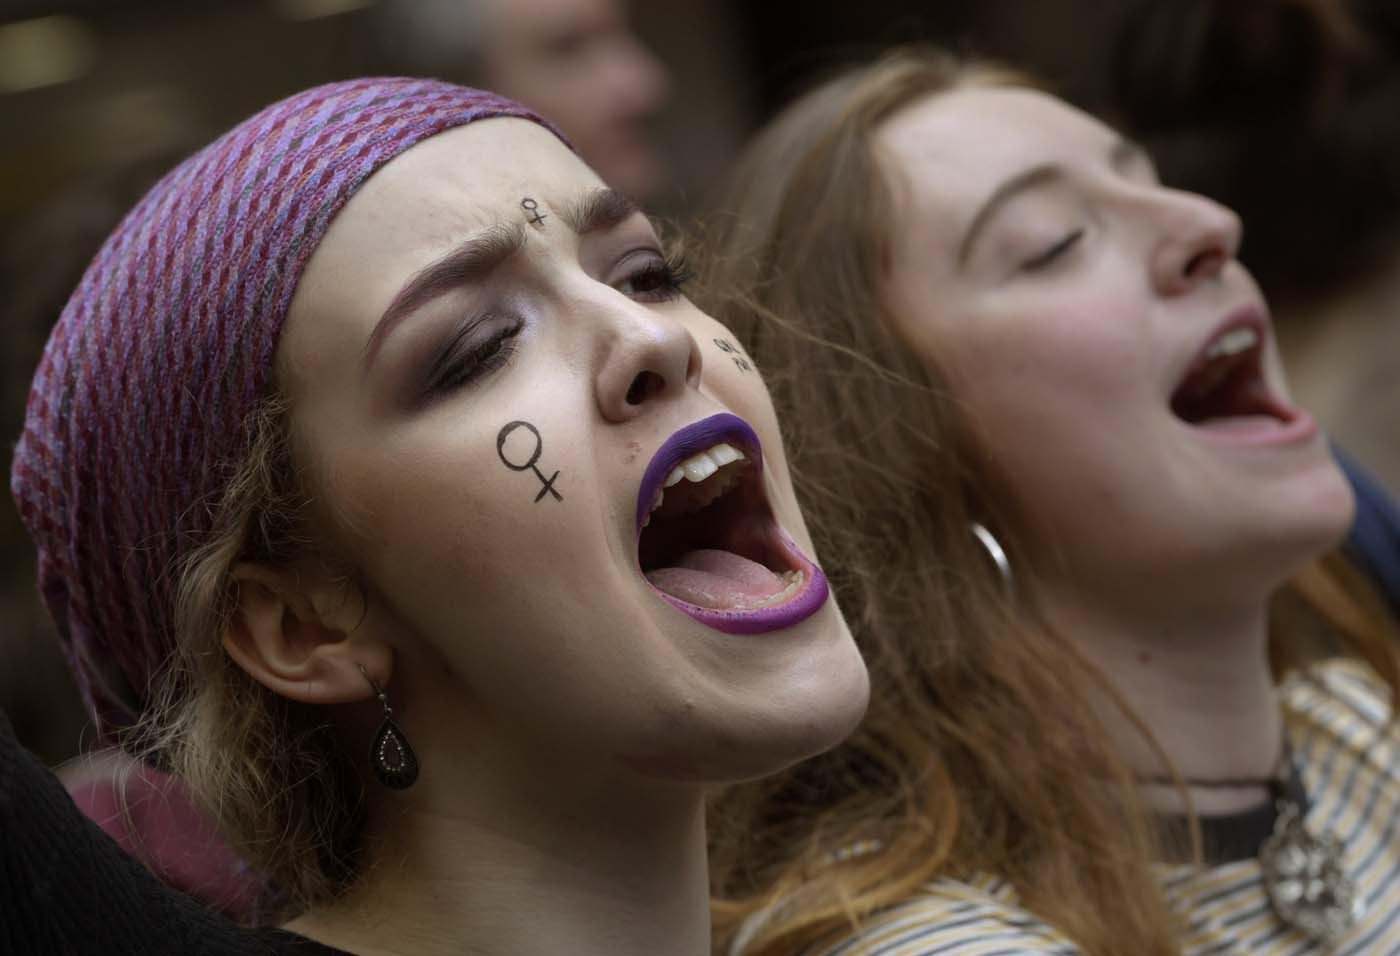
(294, 633)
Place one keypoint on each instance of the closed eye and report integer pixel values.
(471, 356)
(1043, 259)
(656, 279)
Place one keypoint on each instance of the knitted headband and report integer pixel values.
(136, 415)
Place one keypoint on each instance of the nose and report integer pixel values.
(647, 358)
(637, 82)
(1197, 238)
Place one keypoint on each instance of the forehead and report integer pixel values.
(419, 206)
(430, 198)
(463, 180)
(958, 146)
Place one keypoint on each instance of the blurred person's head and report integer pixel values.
(576, 61)
(1287, 111)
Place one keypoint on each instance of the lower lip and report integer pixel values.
(809, 599)
(1263, 432)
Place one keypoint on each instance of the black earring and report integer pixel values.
(393, 760)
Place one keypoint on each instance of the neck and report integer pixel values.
(1199, 680)
(553, 870)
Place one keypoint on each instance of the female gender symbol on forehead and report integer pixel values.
(532, 212)
(529, 463)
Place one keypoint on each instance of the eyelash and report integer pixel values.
(456, 369)
(660, 280)
(1044, 259)
(663, 278)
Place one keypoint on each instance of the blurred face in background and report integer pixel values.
(578, 63)
(1115, 357)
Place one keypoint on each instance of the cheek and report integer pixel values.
(433, 509)
(1052, 375)
(1055, 406)
(417, 523)
(732, 378)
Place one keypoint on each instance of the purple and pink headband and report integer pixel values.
(137, 412)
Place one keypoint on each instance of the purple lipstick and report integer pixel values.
(707, 539)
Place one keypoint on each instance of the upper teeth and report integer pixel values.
(696, 469)
(1232, 343)
(703, 464)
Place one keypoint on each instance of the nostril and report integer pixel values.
(645, 385)
(1203, 264)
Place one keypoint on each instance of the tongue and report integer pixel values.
(1241, 403)
(716, 579)
(1247, 407)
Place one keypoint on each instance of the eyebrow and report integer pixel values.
(476, 258)
(1121, 154)
(597, 210)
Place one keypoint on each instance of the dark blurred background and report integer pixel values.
(1288, 110)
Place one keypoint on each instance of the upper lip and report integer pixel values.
(693, 438)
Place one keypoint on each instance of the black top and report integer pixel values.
(67, 889)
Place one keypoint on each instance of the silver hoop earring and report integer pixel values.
(392, 759)
(994, 550)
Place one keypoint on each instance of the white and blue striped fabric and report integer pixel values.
(1347, 754)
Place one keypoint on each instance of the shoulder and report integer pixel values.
(1345, 743)
(1347, 750)
(979, 917)
(66, 887)
(1341, 698)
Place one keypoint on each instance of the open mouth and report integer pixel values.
(1225, 389)
(707, 538)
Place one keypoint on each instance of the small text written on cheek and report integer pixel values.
(734, 352)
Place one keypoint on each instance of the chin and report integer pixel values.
(817, 711)
(759, 731)
(1313, 519)
(821, 700)
(1330, 508)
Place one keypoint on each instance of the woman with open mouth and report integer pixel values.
(1118, 705)
(391, 495)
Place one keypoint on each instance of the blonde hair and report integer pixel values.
(270, 772)
(981, 752)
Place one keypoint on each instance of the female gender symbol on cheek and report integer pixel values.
(548, 483)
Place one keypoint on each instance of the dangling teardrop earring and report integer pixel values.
(393, 760)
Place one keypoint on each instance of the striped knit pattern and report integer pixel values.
(136, 416)
(1348, 756)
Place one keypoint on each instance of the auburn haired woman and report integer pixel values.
(1039, 421)
(389, 493)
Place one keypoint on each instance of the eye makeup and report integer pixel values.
(481, 345)
(658, 278)
(486, 341)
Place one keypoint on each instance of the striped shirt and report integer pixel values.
(1347, 758)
